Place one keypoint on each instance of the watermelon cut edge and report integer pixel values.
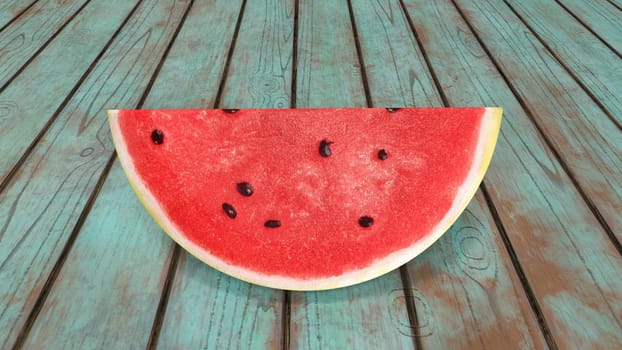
(488, 133)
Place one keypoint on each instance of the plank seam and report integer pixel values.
(426, 58)
(17, 16)
(36, 54)
(589, 28)
(20, 162)
(558, 156)
(225, 71)
(359, 54)
(286, 319)
(411, 307)
(49, 283)
(295, 57)
(531, 297)
(615, 5)
(164, 298)
(563, 64)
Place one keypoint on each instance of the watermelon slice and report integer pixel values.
(305, 199)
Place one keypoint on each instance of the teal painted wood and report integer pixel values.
(593, 63)
(31, 99)
(206, 308)
(474, 298)
(107, 293)
(589, 143)
(261, 66)
(210, 310)
(40, 205)
(437, 304)
(569, 261)
(9, 9)
(600, 16)
(43, 201)
(395, 67)
(371, 315)
(21, 40)
(328, 71)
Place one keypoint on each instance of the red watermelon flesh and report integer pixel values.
(339, 196)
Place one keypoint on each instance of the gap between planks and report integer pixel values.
(589, 28)
(92, 198)
(556, 57)
(18, 15)
(562, 161)
(533, 302)
(60, 29)
(20, 162)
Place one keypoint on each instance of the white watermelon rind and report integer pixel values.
(489, 131)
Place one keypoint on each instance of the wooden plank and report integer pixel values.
(370, 315)
(442, 290)
(569, 262)
(394, 64)
(589, 143)
(328, 71)
(31, 99)
(44, 200)
(25, 36)
(261, 67)
(470, 275)
(9, 9)
(601, 17)
(597, 67)
(206, 308)
(105, 296)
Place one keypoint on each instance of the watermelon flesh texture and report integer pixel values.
(395, 180)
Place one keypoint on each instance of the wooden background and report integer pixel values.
(533, 263)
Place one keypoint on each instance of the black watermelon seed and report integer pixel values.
(272, 223)
(392, 110)
(229, 210)
(157, 136)
(245, 189)
(382, 154)
(325, 148)
(230, 110)
(366, 221)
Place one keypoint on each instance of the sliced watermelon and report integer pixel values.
(305, 199)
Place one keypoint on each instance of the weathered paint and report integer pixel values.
(33, 97)
(25, 36)
(591, 61)
(558, 241)
(44, 199)
(602, 17)
(10, 9)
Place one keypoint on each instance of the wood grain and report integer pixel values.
(588, 142)
(45, 199)
(261, 67)
(206, 308)
(475, 300)
(601, 17)
(328, 71)
(371, 315)
(29, 102)
(10, 9)
(394, 64)
(23, 38)
(106, 295)
(567, 258)
(597, 67)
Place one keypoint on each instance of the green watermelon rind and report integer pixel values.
(489, 130)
